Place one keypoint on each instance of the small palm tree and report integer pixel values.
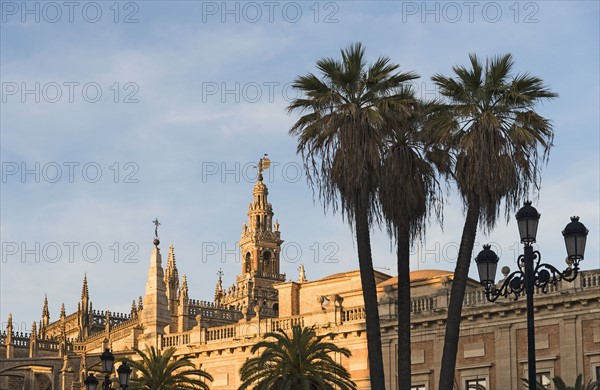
(162, 371)
(302, 361)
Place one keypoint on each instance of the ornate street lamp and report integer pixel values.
(532, 272)
(108, 361)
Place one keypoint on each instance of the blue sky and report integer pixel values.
(115, 113)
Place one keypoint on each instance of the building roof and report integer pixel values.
(417, 275)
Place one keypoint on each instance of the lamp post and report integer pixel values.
(108, 361)
(532, 272)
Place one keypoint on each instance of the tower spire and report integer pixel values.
(155, 315)
(219, 287)
(45, 311)
(85, 294)
(172, 281)
(183, 292)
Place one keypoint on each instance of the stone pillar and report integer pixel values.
(504, 357)
(10, 348)
(66, 374)
(569, 367)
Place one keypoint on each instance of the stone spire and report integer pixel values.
(133, 309)
(45, 318)
(85, 294)
(172, 281)
(182, 319)
(10, 348)
(84, 320)
(9, 325)
(45, 311)
(183, 292)
(33, 341)
(219, 288)
(302, 274)
(33, 330)
(155, 315)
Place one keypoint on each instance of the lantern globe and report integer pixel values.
(108, 360)
(527, 220)
(575, 235)
(91, 383)
(124, 372)
(487, 262)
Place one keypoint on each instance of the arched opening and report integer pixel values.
(276, 306)
(248, 263)
(267, 264)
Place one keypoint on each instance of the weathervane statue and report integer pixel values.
(263, 163)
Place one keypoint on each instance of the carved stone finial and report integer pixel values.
(302, 275)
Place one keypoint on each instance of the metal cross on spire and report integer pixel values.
(156, 225)
(220, 273)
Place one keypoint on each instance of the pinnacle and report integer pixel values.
(84, 290)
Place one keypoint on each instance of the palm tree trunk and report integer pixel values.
(459, 284)
(404, 374)
(367, 278)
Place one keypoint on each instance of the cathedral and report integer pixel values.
(218, 334)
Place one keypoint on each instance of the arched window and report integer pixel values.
(248, 263)
(267, 265)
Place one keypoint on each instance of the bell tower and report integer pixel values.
(260, 247)
(260, 244)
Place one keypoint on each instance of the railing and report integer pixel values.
(221, 333)
(217, 312)
(353, 314)
(114, 318)
(422, 304)
(175, 340)
(589, 279)
(286, 323)
(268, 312)
(475, 297)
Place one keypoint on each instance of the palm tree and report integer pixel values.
(561, 385)
(303, 361)
(161, 371)
(340, 139)
(408, 192)
(579, 385)
(497, 138)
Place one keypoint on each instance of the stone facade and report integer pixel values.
(219, 334)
